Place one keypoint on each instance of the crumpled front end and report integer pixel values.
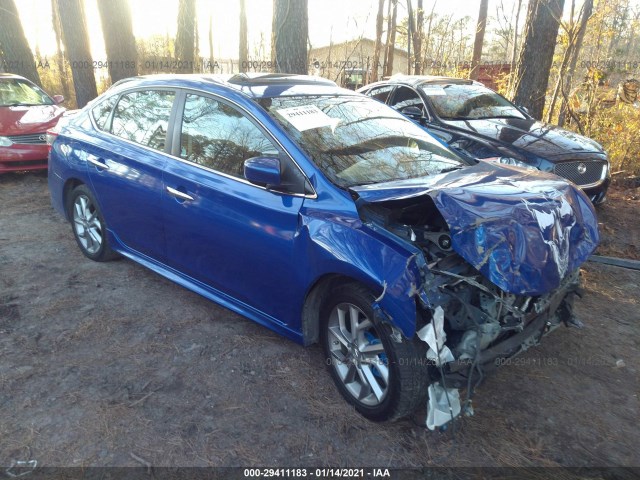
(502, 250)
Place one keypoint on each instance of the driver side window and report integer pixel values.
(220, 137)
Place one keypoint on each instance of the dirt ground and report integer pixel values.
(112, 365)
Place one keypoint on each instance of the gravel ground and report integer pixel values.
(112, 365)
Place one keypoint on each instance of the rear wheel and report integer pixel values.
(89, 227)
(382, 378)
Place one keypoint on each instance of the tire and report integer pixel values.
(383, 379)
(88, 225)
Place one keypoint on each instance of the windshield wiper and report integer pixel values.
(451, 169)
(20, 104)
(495, 116)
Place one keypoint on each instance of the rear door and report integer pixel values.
(126, 167)
(220, 229)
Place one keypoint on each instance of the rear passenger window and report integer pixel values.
(220, 137)
(143, 117)
(381, 93)
(102, 112)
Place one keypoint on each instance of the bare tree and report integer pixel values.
(391, 39)
(62, 69)
(514, 50)
(290, 36)
(411, 27)
(479, 41)
(13, 43)
(534, 63)
(427, 40)
(76, 44)
(211, 63)
(119, 42)
(417, 39)
(242, 56)
(572, 30)
(587, 11)
(378, 46)
(185, 36)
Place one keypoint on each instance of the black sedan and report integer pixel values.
(483, 124)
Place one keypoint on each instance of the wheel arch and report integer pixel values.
(69, 185)
(316, 296)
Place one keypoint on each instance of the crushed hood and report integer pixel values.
(24, 120)
(523, 230)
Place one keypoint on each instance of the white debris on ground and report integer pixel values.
(444, 403)
(443, 406)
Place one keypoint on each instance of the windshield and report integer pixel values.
(355, 140)
(15, 92)
(468, 102)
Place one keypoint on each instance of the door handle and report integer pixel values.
(179, 194)
(95, 161)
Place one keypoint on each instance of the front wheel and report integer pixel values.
(89, 227)
(382, 378)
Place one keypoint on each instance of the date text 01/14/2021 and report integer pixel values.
(317, 472)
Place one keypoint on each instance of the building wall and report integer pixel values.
(349, 63)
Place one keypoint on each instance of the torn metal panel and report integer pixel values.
(370, 254)
(523, 230)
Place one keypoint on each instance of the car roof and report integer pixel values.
(416, 80)
(255, 85)
(12, 76)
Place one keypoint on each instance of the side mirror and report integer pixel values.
(58, 99)
(263, 171)
(524, 109)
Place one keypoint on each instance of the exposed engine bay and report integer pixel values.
(470, 324)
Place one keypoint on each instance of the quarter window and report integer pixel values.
(220, 137)
(102, 112)
(381, 93)
(143, 117)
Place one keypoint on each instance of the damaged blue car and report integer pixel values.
(328, 217)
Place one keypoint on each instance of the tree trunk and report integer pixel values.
(584, 19)
(535, 59)
(13, 44)
(375, 64)
(410, 29)
(477, 45)
(427, 40)
(62, 69)
(417, 39)
(185, 36)
(386, 43)
(391, 39)
(571, 32)
(514, 50)
(211, 58)
(76, 45)
(290, 34)
(196, 43)
(119, 42)
(242, 56)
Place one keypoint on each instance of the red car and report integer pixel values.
(26, 113)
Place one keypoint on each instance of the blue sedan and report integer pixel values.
(328, 217)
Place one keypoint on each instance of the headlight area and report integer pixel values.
(471, 327)
(5, 142)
